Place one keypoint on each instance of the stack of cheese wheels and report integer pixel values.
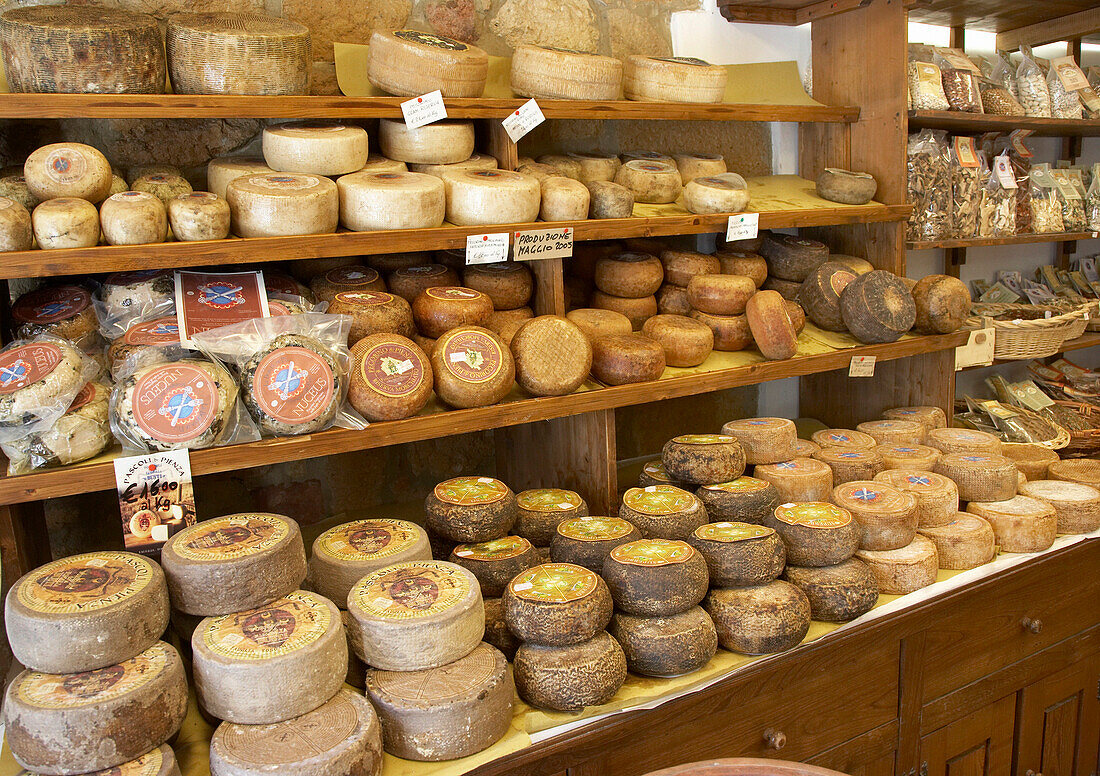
(745, 499)
(508, 284)
(764, 440)
(278, 205)
(1020, 523)
(1077, 506)
(963, 440)
(408, 63)
(742, 262)
(798, 480)
(849, 465)
(937, 496)
(964, 542)
(587, 541)
(679, 268)
(703, 459)
(540, 511)
(905, 569)
(692, 166)
(685, 342)
(887, 515)
(663, 511)
(626, 283)
(929, 417)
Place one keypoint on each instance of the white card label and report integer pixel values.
(425, 109)
(543, 244)
(743, 226)
(523, 119)
(155, 498)
(978, 351)
(486, 248)
(862, 366)
(1005, 176)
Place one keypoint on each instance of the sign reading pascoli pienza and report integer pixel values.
(155, 498)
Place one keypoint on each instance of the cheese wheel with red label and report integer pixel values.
(887, 515)
(731, 332)
(472, 367)
(443, 308)
(686, 342)
(391, 377)
(68, 170)
(618, 359)
(771, 326)
(410, 282)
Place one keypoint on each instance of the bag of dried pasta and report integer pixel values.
(928, 169)
(966, 186)
(1046, 210)
(997, 211)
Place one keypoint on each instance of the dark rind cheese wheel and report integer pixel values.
(685, 341)
(570, 678)
(653, 473)
(815, 533)
(495, 562)
(837, 593)
(355, 277)
(507, 283)
(788, 289)
(540, 511)
(587, 541)
(843, 437)
(798, 480)
(346, 553)
(849, 465)
(629, 275)
(86, 612)
(410, 282)
(731, 332)
(443, 308)
(759, 620)
(746, 500)
(232, 563)
(681, 266)
(663, 511)
(391, 262)
(764, 440)
(739, 554)
(720, 294)
(666, 646)
(557, 604)
(980, 477)
(637, 311)
(472, 367)
(673, 300)
(771, 326)
(470, 509)
(877, 307)
(553, 356)
(618, 359)
(747, 263)
(655, 577)
(373, 312)
(942, 304)
(887, 515)
(391, 377)
(792, 258)
(497, 633)
(820, 295)
(702, 459)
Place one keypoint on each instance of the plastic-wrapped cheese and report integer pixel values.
(65, 222)
(391, 200)
(490, 197)
(133, 218)
(315, 149)
(68, 170)
(673, 79)
(277, 205)
(220, 171)
(409, 63)
(726, 193)
(565, 75)
(650, 182)
(200, 215)
(443, 142)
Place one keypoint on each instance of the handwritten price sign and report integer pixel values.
(155, 498)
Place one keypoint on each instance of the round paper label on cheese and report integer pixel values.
(351, 276)
(838, 437)
(175, 403)
(470, 491)
(86, 394)
(555, 583)
(472, 356)
(392, 369)
(496, 549)
(813, 514)
(293, 385)
(453, 293)
(653, 552)
(84, 583)
(65, 165)
(135, 277)
(50, 305)
(975, 458)
(365, 298)
(427, 39)
(233, 536)
(703, 439)
(412, 590)
(869, 495)
(439, 685)
(656, 470)
(27, 364)
(368, 539)
(595, 529)
(902, 450)
(921, 481)
(320, 730)
(204, 195)
(548, 500)
(280, 628)
(160, 331)
(731, 532)
(740, 485)
(659, 500)
(88, 688)
(718, 183)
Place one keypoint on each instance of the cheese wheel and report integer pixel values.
(764, 440)
(278, 205)
(792, 258)
(618, 359)
(163, 186)
(552, 356)
(561, 74)
(564, 199)
(820, 293)
(470, 509)
(663, 511)
(565, 165)
(905, 569)
(980, 477)
(908, 456)
(65, 311)
(494, 563)
(843, 437)
(497, 633)
(597, 323)
(392, 262)
(963, 440)
(681, 266)
(887, 515)
(557, 605)
(967, 541)
(409, 282)
(648, 156)
(745, 499)
(409, 63)
(655, 577)
(653, 473)
(673, 300)
(315, 148)
(442, 142)
(837, 593)
(739, 554)
(771, 325)
(65, 222)
(350, 278)
(508, 284)
(686, 342)
(666, 646)
(797, 315)
(593, 167)
(371, 201)
(441, 309)
(1084, 471)
(475, 162)
(761, 619)
(587, 541)
(221, 171)
(392, 377)
(731, 332)
(472, 367)
(133, 218)
(1021, 523)
(540, 172)
(703, 459)
(228, 564)
(372, 312)
(15, 188)
(937, 496)
(798, 480)
(720, 294)
(505, 323)
(673, 79)
(68, 170)
(1032, 461)
(650, 182)
(815, 533)
(929, 417)
(609, 199)
(692, 166)
(751, 265)
(786, 288)
(570, 678)
(850, 465)
(1076, 506)
(540, 511)
(490, 197)
(804, 448)
(893, 432)
(15, 226)
(199, 215)
(346, 553)
(877, 307)
(942, 304)
(638, 311)
(379, 163)
(725, 193)
(629, 275)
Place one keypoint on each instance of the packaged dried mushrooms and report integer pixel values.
(929, 186)
(966, 186)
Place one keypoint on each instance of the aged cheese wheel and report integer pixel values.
(557, 604)
(629, 275)
(565, 165)
(232, 563)
(472, 367)
(477, 161)
(673, 645)
(322, 384)
(541, 510)
(133, 218)
(942, 303)
(673, 300)
(663, 511)
(647, 156)
(843, 437)
(15, 226)
(739, 554)
(731, 332)
(963, 440)
(764, 440)
(440, 309)
(371, 312)
(845, 186)
(692, 166)
(650, 182)
(379, 163)
(163, 186)
(798, 480)
(673, 79)
(759, 620)
(142, 170)
(980, 477)
(964, 543)
(655, 577)
(573, 677)
(905, 569)
(565, 75)
(65, 222)
(877, 307)
(509, 285)
(609, 199)
(720, 294)
(86, 612)
(725, 193)
(391, 379)
(497, 633)
(278, 205)
(237, 53)
(618, 359)
(93, 720)
(416, 615)
(221, 171)
(804, 448)
(745, 499)
(345, 554)
(199, 215)
(909, 456)
(745, 263)
(315, 148)
(685, 341)
(391, 262)
(508, 320)
(681, 266)
(815, 533)
(857, 265)
(553, 356)
(703, 459)
(653, 473)
(587, 541)
(409, 282)
(15, 188)
(495, 562)
(792, 258)
(540, 172)
(564, 199)
(836, 593)
(597, 323)
(594, 167)
(894, 432)
(1021, 523)
(937, 496)
(638, 311)
(1032, 461)
(850, 465)
(68, 170)
(820, 293)
(409, 63)
(488, 197)
(442, 142)
(470, 509)
(797, 315)
(1077, 506)
(1084, 471)
(371, 201)
(887, 515)
(771, 325)
(788, 289)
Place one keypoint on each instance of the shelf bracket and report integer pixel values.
(953, 259)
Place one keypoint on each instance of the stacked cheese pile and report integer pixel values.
(851, 455)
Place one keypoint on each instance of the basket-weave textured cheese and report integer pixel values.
(980, 477)
(963, 440)
(496, 561)
(348, 552)
(937, 496)
(893, 432)
(764, 440)
(849, 465)
(409, 63)
(470, 509)
(1083, 470)
(909, 456)
(281, 204)
(798, 480)
(887, 515)
(552, 355)
(965, 542)
(904, 569)
(1033, 461)
(673, 79)
(565, 75)
(315, 148)
(843, 437)
(1021, 524)
(1077, 506)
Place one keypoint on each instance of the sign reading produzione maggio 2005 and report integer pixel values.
(543, 244)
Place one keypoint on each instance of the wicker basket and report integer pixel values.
(1082, 443)
(1022, 335)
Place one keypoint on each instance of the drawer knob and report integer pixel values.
(775, 739)
(1032, 626)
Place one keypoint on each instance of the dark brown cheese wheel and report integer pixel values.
(307, 269)
(540, 511)
(587, 541)
(232, 563)
(720, 294)
(663, 511)
(788, 289)
(557, 604)
(391, 377)
(739, 554)
(849, 465)
(653, 473)
(427, 344)
(597, 323)
(637, 311)
(750, 244)
(745, 499)
(495, 562)
(391, 262)
(837, 593)
(655, 577)
(411, 282)
(497, 633)
(438, 310)
(618, 359)
(747, 263)
(877, 307)
(508, 320)
(887, 515)
(373, 312)
(798, 316)
(685, 341)
(820, 295)
(355, 277)
(570, 678)
(731, 332)
(792, 258)
(942, 302)
(666, 646)
(673, 300)
(682, 266)
(703, 459)
(629, 275)
(759, 620)
(508, 284)
(816, 533)
(470, 509)
(473, 367)
(771, 326)
(553, 356)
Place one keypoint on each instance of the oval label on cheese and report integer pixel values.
(470, 491)
(89, 688)
(320, 730)
(50, 305)
(392, 369)
(656, 470)
(740, 485)
(756, 423)
(84, 583)
(496, 549)
(175, 403)
(703, 439)
(293, 385)
(25, 365)
(472, 356)
(902, 450)
(428, 270)
(453, 293)
(923, 481)
(659, 500)
(861, 495)
(427, 39)
(65, 165)
(368, 539)
(413, 590)
(595, 529)
(83, 398)
(813, 514)
(653, 552)
(556, 583)
(548, 500)
(365, 298)
(352, 276)
(233, 536)
(440, 685)
(280, 628)
(731, 532)
(160, 331)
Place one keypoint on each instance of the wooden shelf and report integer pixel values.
(1087, 340)
(1018, 239)
(438, 422)
(977, 123)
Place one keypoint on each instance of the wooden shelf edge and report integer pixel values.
(1088, 340)
(1018, 239)
(979, 123)
(98, 476)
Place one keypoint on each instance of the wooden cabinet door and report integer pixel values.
(1058, 725)
(979, 744)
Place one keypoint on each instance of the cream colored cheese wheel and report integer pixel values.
(133, 218)
(409, 63)
(963, 440)
(905, 569)
(281, 204)
(966, 541)
(692, 166)
(909, 456)
(647, 156)
(348, 552)
(937, 496)
(980, 477)
(15, 226)
(200, 215)
(540, 172)
(444, 142)
(379, 163)
(391, 200)
(315, 149)
(1076, 505)
(65, 222)
(220, 171)
(1021, 524)
(162, 186)
(650, 182)
(564, 199)
(595, 167)
(673, 79)
(490, 197)
(726, 193)
(477, 161)
(764, 440)
(566, 166)
(68, 170)
(565, 75)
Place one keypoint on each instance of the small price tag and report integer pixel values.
(1069, 74)
(155, 498)
(543, 244)
(486, 248)
(1005, 176)
(523, 119)
(862, 366)
(425, 109)
(978, 350)
(743, 226)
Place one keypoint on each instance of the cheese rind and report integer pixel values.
(495, 562)
(553, 356)
(618, 359)
(720, 294)
(540, 511)
(771, 325)
(714, 194)
(315, 149)
(133, 218)
(655, 577)
(596, 323)
(663, 511)
(1084, 471)
(470, 509)
(391, 378)
(565, 75)
(15, 226)
(692, 166)
(440, 309)
(910, 457)
(747, 263)
(609, 199)
(277, 205)
(837, 593)
(557, 604)
(937, 496)
(491, 197)
(442, 142)
(815, 533)
(1021, 523)
(650, 182)
(798, 480)
(685, 341)
(746, 499)
(980, 477)
(221, 171)
(371, 312)
(893, 432)
(820, 294)
(904, 569)
(371, 201)
(1032, 461)
(409, 63)
(963, 440)
(564, 199)
(346, 553)
(573, 677)
(200, 215)
(703, 459)
(759, 620)
(595, 167)
(666, 646)
(843, 437)
(673, 79)
(1077, 506)
(849, 465)
(887, 515)
(792, 258)
(65, 222)
(764, 440)
(587, 541)
(629, 275)
(942, 304)
(739, 554)
(68, 170)
(877, 307)
(637, 311)
(409, 282)
(731, 332)
(965, 542)
(472, 367)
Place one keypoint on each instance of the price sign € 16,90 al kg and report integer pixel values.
(155, 497)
